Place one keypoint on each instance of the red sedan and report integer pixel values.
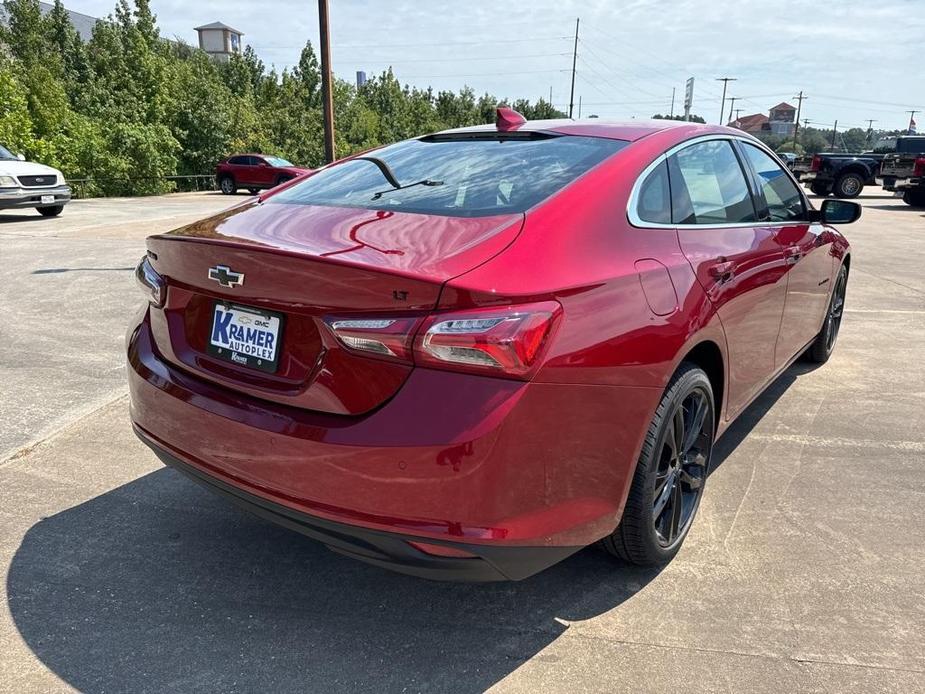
(469, 355)
(255, 172)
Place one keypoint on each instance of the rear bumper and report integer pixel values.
(911, 183)
(815, 177)
(14, 198)
(388, 550)
(491, 466)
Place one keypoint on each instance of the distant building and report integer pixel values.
(755, 123)
(82, 23)
(780, 120)
(361, 78)
(219, 40)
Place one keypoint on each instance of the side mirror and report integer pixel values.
(21, 157)
(836, 212)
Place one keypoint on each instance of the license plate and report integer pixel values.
(47, 199)
(246, 336)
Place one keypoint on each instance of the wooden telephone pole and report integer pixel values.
(796, 127)
(722, 106)
(327, 98)
(571, 100)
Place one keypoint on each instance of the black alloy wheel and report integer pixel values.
(682, 468)
(671, 472)
(824, 344)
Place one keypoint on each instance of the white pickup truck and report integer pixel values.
(25, 184)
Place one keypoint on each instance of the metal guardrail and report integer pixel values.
(90, 186)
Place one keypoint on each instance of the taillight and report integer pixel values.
(507, 341)
(816, 163)
(919, 168)
(388, 338)
(151, 283)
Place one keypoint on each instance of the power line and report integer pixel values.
(484, 74)
(450, 43)
(472, 59)
(614, 74)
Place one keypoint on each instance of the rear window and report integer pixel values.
(459, 176)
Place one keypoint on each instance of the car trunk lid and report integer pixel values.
(297, 264)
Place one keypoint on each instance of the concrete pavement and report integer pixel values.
(803, 572)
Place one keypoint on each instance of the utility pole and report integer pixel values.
(870, 129)
(911, 121)
(738, 111)
(722, 106)
(671, 115)
(796, 127)
(571, 100)
(550, 95)
(579, 106)
(834, 133)
(732, 103)
(327, 98)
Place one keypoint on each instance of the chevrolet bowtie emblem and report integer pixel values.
(225, 276)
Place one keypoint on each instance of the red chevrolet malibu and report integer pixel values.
(468, 355)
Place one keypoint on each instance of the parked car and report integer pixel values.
(27, 184)
(903, 171)
(470, 354)
(255, 172)
(789, 158)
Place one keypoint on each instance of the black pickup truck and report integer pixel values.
(903, 171)
(845, 175)
(841, 175)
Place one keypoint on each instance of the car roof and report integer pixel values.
(594, 127)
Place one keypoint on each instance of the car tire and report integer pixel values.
(668, 482)
(52, 211)
(824, 344)
(283, 179)
(848, 185)
(227, 185)
(822, 189)
(914, 198)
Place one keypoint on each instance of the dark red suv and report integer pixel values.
(254, 172)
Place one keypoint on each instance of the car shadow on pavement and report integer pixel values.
(11, 218)
(160, 586)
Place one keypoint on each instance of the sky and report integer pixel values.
(855, 59)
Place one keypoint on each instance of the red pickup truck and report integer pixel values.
(254, 172)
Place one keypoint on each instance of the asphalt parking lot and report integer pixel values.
(804, 570)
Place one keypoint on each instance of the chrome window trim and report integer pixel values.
(639, 223)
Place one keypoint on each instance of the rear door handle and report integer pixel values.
(722, 270)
